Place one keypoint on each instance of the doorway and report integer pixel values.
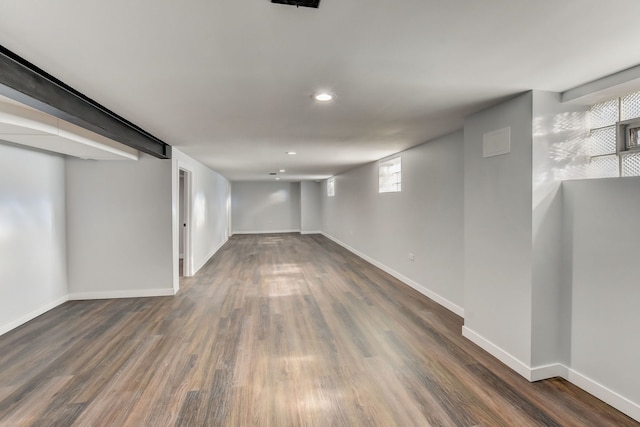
(184, 217)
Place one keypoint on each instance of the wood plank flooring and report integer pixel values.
(276, 330)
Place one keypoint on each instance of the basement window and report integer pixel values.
(331, 187)
(614, 142)
(390, 175)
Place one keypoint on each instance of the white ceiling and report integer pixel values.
(229, 82)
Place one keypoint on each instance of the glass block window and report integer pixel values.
(604, 114)
(631, 164)
(605, 166)
(603, 145)
(630, 106)
(331, 187)
(390, 175)
(602, 141)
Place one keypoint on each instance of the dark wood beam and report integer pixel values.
(24, 82)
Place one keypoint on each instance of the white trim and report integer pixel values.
(587, 384)
(186, 208)
(129, 293)
(548, 371)
(418, 287)
(267, 232)
(611, 86)
(32, 315)
(538, 373)
(208, 257)
(311, 232)
(605, 394)
(497, 352)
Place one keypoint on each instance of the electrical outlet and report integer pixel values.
(411, 257)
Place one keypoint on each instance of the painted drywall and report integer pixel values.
(265, 207)
(119, 222)
(208, 213)
(310, 202)
(560, 152)
(599, 222)
(424, 219)
(33, 270)
(497, 231)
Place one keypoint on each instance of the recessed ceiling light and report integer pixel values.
(323, 96)
(277, 179)
(282, 171)
(291, 153)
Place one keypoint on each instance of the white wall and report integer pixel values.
(119, 221)
(425, 219)
(76, 229)
(265, 207)
(497, 232)
(560, 152)
(550, 282)
(33, 276)
(603, 236)
(310, 205)
(210, 197)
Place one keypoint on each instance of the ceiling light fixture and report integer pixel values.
(291, 153)
(277, 179)
(282, 171)
(323, 96)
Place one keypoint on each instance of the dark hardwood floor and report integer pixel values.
(276, 330)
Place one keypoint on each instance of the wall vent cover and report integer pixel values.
(297, 3)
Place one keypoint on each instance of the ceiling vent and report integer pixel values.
(298, 3)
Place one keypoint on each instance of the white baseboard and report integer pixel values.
(605, 394)
(267, 232)
(538, 373)
(129, 293)
(497, 352)
(32, 315)
(532, 374)
(311, 232)
(418, 287)
(548, 371)
(208, 257)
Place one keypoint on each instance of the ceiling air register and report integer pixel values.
(298, 3)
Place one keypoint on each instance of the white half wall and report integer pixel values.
(424, 219)
(119, 221)
(310, 199)
(603, 243)
(33, 270)
(209, 219)
(265, 207)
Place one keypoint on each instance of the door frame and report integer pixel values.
(187, 263)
